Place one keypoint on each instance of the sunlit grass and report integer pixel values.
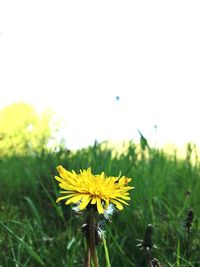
(35, 230)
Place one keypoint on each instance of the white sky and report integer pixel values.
(77, 56)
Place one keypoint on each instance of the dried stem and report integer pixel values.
(148, 257)
(88, 257)
(92, 242)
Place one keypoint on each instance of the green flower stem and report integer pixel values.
(106, 253)
(92, 243)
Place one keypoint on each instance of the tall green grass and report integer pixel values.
(35, 231)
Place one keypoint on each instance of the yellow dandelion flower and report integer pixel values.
(87, 189)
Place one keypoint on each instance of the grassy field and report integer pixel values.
(35, 231)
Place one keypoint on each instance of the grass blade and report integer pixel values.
(24, 244)
(106, 253)
(34, 210)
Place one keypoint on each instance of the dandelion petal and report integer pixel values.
(85, 200)
(117, 204)
(64, 197)
(99, 206)
(74, 199)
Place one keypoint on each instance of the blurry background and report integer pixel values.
(105, 68)
(72, 72)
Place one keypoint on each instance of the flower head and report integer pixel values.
(87, 189)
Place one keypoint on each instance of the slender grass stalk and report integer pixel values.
(106, 253)
(13, 252)
(120, 249)
(178, 255)
(35, 212)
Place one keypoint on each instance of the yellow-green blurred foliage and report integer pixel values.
(23, 130)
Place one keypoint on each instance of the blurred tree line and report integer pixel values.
(23, 130)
